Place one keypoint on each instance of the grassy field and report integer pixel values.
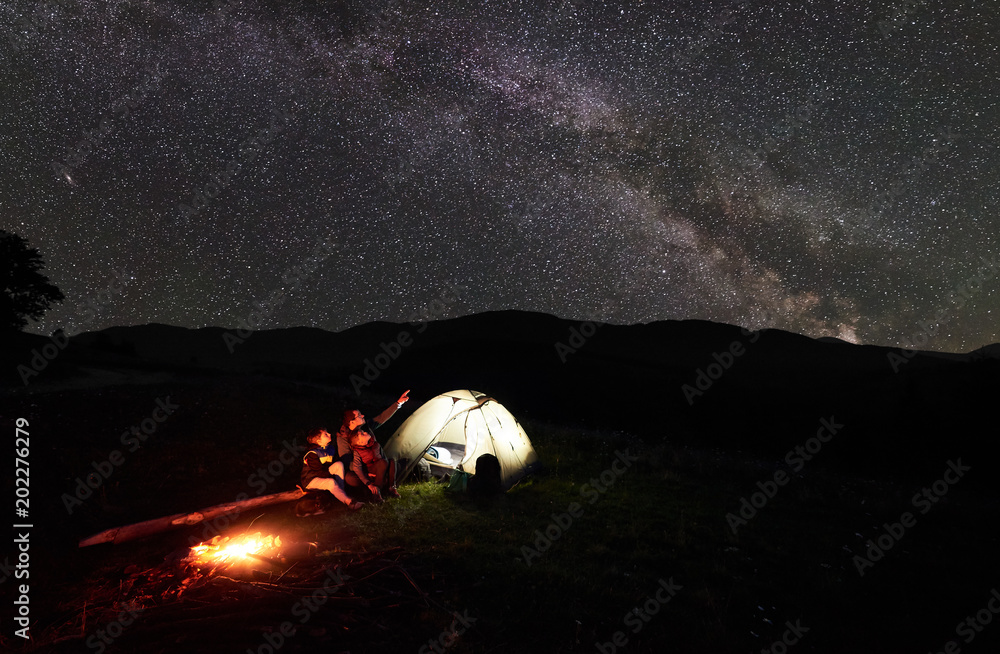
(620, 544)
(664, 520)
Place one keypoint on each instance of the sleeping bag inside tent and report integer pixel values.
(454, 429)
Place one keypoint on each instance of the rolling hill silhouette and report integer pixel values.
(693, 382)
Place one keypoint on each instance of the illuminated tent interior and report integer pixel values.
(454, 429)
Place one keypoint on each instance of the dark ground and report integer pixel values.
(417, 562)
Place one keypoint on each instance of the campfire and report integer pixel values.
(247, 557)
(223, 551)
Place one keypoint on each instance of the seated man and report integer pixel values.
(321, 472)
(365, 462)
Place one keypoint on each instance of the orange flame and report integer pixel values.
(225, 550)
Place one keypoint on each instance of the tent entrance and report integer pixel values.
(444, 457)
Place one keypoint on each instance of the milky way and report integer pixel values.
(830, 168)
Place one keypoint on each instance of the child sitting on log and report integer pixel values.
(322, 471)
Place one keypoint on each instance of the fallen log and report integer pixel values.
(156, 525)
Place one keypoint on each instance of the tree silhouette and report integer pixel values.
(27, 293)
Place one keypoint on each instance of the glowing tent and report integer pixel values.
(454, 429)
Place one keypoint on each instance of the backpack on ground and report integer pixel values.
(487, 480)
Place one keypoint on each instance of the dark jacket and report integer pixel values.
(316, 463)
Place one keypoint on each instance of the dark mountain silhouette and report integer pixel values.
(690, 381)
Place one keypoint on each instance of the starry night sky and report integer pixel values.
(830, 168)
